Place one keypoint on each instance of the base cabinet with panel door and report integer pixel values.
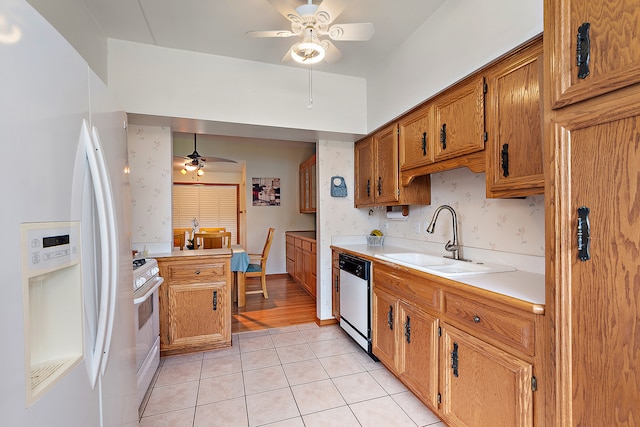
(301, 259)
(426, 329)
(335, 277)
(514, 125)
(195, 302)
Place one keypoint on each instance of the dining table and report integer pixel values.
(239, 264)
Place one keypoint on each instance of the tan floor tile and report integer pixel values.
(220, 352)
(171, 398)
(305, 372)
(344, 364)
(221, 366)
(271, 406)
(317, 396)
(256, 343)
(321, 334)
(283, 330)
(179, 373)
(295, 353)
(306, 326)
(220, 388)
(227, 413)
(366, 361)
(265, 379)
(259, 359)
(288, 339)
(358, 387)
(181, 358)
(388, 381)
(416, 410)
(291, 422)
(252, 334)
(381, 412)
(329, 347)
(180, 418)
(336, 417)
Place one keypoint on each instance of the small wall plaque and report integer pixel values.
(338, 187)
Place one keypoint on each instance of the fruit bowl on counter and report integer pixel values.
(375, 238)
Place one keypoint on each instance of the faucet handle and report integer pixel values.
(451, 247)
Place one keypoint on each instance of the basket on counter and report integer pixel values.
(375, 240)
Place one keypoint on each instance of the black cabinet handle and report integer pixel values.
(215, 300)
(407, 330)
(443, 136)
(337, 283)
(504, 154)
(424, 143)
(583, 50)
(368, 188)
(379, 185)
(454, 359)
(197, 271)
(584, 234)
(476, 319)
(390, 318)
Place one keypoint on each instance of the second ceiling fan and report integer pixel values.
(311, 21)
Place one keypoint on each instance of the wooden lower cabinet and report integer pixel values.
(483, 385)
(195, 303)
(335, 277)
(476, 373)
(301, 259)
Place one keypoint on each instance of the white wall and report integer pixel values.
(457, 40)
(169, 82)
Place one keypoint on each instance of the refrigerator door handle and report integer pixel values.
(103, 310)
(110, 261)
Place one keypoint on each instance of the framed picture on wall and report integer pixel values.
(266, 191)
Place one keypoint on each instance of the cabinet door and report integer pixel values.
(385, 324)
(198, 314)
(416, 138)
(299, 263)
(599, 330)
(364, 170)
(386, 160)
(418, 361)
(614, 41)
(483, 386)
(514, 147)
(459, 121)
(309, 268)
(304, 186)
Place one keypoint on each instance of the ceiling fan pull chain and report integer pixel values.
(310, 104)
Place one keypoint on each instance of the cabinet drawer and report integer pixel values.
(298, 243)
(290, 250)
(306, 245)
(419, 291)
(290, 240)
(197, 272)
(508, 328)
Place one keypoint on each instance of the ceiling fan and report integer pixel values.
(195, 162)
(311, 21)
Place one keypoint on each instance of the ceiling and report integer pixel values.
(218, 27)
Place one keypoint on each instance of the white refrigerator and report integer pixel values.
(51, 104)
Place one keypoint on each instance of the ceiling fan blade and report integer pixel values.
(332, 53)
(270, 33)
(329, 10)
(286, 8)
(221, 160)
(351, 32)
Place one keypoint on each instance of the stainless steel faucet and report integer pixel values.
(450, 246)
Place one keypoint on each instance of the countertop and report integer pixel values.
(522, 285)
(309, 235)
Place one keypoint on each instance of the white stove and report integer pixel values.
(146, 282)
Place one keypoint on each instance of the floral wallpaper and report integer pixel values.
(151, 182)
(507, 225)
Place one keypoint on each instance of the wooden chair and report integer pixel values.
(212, 229)
(259, 269)
(177, 240)
(212, 240)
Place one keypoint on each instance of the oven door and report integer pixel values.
(147, 323)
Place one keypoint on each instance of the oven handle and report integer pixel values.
(149, 292)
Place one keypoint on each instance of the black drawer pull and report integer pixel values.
(390, 317)
(476, 319)
(215, 300)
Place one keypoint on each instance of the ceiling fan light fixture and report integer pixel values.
(308, 53)
(191, 166)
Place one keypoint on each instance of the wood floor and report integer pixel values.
(288, 304)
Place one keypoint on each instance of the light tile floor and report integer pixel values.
(301, 375)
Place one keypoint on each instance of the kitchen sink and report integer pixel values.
(441, 266)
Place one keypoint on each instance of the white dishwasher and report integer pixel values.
(355, 299)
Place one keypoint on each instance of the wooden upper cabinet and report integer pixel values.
(609, 50)
(364, 171)
(416, 138)
(459, 120)
(307, 172)
(514, 125)
(387, 173)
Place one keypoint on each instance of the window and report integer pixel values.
(214, 205)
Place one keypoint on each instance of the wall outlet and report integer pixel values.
(416, 227)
